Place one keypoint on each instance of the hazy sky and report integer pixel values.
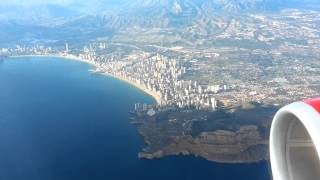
(61, 2)
(79, 3)
(33, 2)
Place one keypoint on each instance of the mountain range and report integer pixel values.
(84, 20)
(42, 13)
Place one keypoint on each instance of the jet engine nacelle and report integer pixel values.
(295, 141)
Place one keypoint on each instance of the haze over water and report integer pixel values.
(59, 121)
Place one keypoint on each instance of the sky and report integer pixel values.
(32, 9)
(58, 2)
(36, 2)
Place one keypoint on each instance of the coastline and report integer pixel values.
(155, 96)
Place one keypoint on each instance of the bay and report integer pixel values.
(58, 121)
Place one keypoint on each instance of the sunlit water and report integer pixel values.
(58, 121)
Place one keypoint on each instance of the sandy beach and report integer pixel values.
(155, 96)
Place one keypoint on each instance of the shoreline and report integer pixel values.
(155, 96)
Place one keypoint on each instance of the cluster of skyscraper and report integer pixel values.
(162, 77)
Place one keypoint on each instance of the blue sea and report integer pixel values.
(58, 121)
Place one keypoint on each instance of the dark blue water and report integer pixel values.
(60, 122)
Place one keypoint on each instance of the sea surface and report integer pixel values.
(58, 121)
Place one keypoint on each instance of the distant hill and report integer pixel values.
(48, 13)
(104, 18)
(178, 6)
(164, 13)
(175, 13)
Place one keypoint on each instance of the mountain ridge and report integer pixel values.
(146, 8)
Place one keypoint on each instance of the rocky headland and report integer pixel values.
(234, 136)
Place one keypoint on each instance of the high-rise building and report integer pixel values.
(67, 49)
(213, 104)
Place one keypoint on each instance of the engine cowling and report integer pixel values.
(295, 141)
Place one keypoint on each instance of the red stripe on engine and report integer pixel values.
(315, 103)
